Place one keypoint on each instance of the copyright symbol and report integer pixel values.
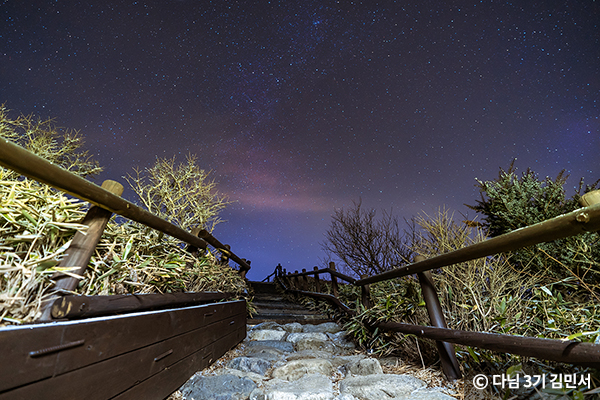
(480, 381)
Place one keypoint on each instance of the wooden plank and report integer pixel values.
(74, 307)
(126, 370)
(113, 376)
(161, 385)
(103, 338)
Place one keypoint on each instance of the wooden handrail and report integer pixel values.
(586, 219)
(322, 271)
(35, 167)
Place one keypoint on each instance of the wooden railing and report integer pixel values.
(586, 219)
(143, 354)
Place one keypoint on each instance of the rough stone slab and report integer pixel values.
(310, 387)
(268, 353)
(330, 327)
(256, 378)
(286, 347)
(219, 387)
(268, 325)
(429, 395)
(315, 344)
(296, 337)
(303, 354)
(266, 334)
(250, 364)
(366, 366)
(296, 369)
(294, 327)
(338, 361)
(377, 387)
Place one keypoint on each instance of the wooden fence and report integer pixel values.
(148, 352)
(586, 219)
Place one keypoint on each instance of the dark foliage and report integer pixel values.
(510, 202)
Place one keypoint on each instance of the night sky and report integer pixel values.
(301, 107)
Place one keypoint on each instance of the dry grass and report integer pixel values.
(478, 295)
(36, 226)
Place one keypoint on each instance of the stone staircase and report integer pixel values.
(271, 306)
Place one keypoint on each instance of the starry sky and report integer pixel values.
(299, 108)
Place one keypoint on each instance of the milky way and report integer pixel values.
(301, 107)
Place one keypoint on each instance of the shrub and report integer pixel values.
(38, 222)
(365, 244)
(181, 193)
(61, 147)
(510, 202)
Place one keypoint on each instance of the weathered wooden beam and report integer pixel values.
(224, 248)
(25, 162)
(160, 385)
(446, 352)
(317, 282)
(334, 284)
(80, 250)
(39, 361)
(567, 351)
(75, 307)
(332, 299)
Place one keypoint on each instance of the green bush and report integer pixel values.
(511, 202)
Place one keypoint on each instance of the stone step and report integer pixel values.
(286, 319)
(264, 287)
(305, 363)
(269, 297)
(278, 305)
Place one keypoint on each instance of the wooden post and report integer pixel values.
(334, 285)
(365, 295)
(225, 254)
(304, 280)
(242, 270)
(296, 282)
(80, 251)
(193, 250)
(317, 282)
(448, 359)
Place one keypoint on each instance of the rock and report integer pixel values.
(303, 354)
(266, 353)
(268, 325)
(257, 394)
(219, 387)
(309, 387)
(330, 327)
(296, 337)
(315, 344)
(366, 366)
(345, 397)
(250, 364)
(256, 378)
(338, 361)
(303, 366)
(429, 395)
(267, 334)
(377, 387)
(294, 327)
(273, 344)
(296, 369)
